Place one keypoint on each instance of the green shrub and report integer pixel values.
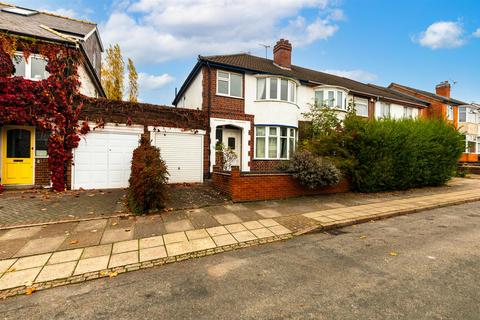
(312, 171)
(148, 179)
(400, 154)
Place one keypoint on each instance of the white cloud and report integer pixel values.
(62, 12)
(161, 30)
(477, 33)
(152, 82)
(442, 34)
(359, 75)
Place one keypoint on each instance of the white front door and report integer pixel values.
(232, 138)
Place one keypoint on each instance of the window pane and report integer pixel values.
(41, 140)
(19, 63)
(284, 90)
(18, 143)
(340, 99)
(283, 148)
(224, 75)
(261, 88)
(292, 146)
(235, 85)
(319, 99)
(331, 98)
(361, 109)
(260, 131)
(273, 88)
(293, 87)
(222, 87)
(292, 132)
(272, 148)
(272, 131)
(283, 131)
(38, 68)
(462, 114)
(260, 148)
(231, 143)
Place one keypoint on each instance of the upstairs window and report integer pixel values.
(34, 68)
(384, 110)
(449, 113)
(229, 84)
(462, 114)
(331, 98)
(361, 107)
(276, 89)
(407, 112)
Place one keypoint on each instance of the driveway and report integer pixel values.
(421, 266)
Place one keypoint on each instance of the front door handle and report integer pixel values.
(17, 160)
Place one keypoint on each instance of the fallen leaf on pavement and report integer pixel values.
(74, 242)
(30, 290)
(363, 237)
(112, 274)
(393, 254)
(114, 223)
(44, 209)
(10, 270)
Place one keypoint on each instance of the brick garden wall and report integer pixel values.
(263, 186)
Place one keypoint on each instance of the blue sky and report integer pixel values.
(416, 43)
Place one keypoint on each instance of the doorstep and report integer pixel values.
(25, 274)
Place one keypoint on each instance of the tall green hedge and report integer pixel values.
(400, 154)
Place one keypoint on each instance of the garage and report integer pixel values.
(103, 158)
(182, 152)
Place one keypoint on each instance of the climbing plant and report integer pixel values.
(46, 104)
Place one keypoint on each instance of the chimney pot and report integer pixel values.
(282, 53)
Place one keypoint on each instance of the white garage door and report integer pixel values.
(183, 154)
(102, 160)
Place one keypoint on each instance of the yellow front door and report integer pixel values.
(17, 155)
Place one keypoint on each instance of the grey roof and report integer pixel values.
(430, 95)
(32, 25)
(248, 62)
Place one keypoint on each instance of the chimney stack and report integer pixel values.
(443, 89)
(282, 53)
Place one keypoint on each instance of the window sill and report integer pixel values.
(270, 159)
(227, 96)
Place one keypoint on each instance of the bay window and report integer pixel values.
(407, 112)
(33, 68)
(462, 114)
(276, 89)
(471, 144)
(332, 98)
(229, 84)
(384, 110)
(274, 142)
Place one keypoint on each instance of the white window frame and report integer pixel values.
(383, 107)
(450, 112)
(466, 114)
(278, 136)
(229, 84)
(475, 140)
(360, 101)
(28, 65)
(333, 103)
(291, 95)
(408, 112)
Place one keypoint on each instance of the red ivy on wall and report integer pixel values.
(47, 104)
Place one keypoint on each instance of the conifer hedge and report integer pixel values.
(392, 154)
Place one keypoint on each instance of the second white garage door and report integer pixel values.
(183, 154)
(103, 160)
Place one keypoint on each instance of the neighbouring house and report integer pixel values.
(255, 106)
(103, 156)
(464, 116)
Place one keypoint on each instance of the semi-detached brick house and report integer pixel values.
(464, 116)
(255, 105)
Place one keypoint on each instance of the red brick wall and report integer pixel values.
(42, 173)
(252, 187)
(265, 165)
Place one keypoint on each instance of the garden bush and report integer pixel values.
(312, 171)
(392, 154)
(148, 179)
